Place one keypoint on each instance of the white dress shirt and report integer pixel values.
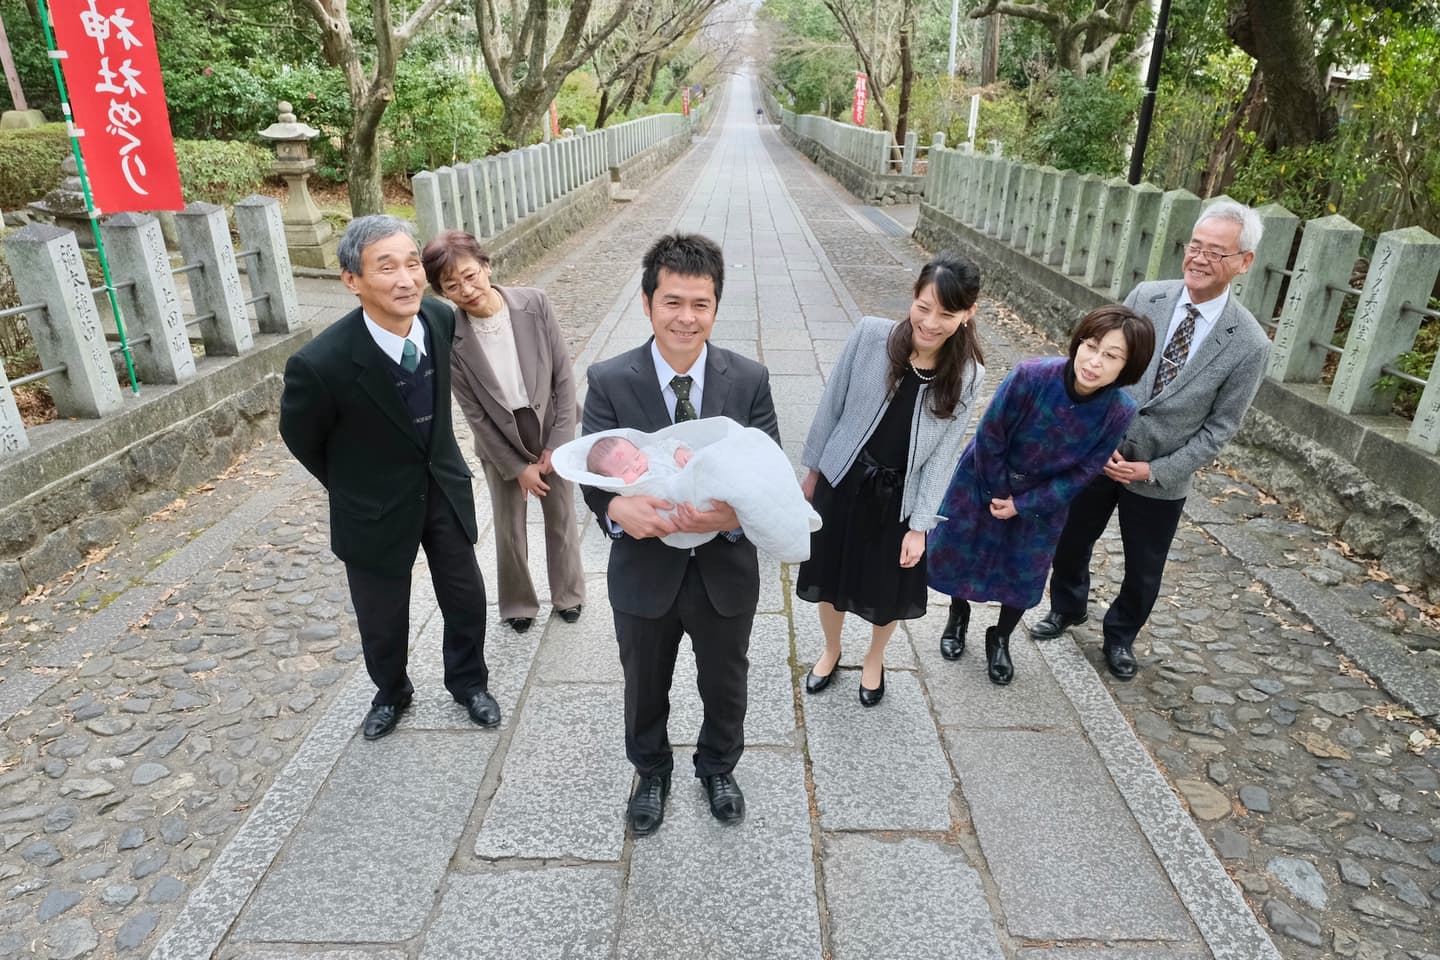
(664, 373)
(1210, 312)
(394, 346)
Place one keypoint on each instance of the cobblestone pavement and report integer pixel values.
(181, 769)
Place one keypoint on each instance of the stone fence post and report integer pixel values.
(995, 206)
(1178, 210)
(1425, 429)
(1105, 242)
(1035, 244)
(484, 198)
(429, 212)
(1402, 272)
(1062, 216)
(465, 186)
(1025, 209)
(262, 229)
(907, 162)
(47, 268)
(135, 246)
(215, 287)
(449, 197)
(1259, 288)
(1082, 225)
(1137, 236)
(12, 425)
(1327, 255)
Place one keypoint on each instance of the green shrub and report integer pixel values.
(223, 102)
(1088, 125)
(219, 172)
(30, 163)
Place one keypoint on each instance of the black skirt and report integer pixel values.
(854, 560)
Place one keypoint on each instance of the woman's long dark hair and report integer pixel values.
(957, 287)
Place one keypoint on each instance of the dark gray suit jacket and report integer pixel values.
(645, 575)
(1183, 429)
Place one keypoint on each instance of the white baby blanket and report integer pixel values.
(740, 465)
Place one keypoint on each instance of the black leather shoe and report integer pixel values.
(997, 657)
(647, 805)
(519, 624)
(570, 614)
(482, 708)
(727, 803)
(1054, 624)
(952, 638)
(868, 697)
(1120, 661)
(814, 683)
(382, 719)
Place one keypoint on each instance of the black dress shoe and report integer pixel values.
(814, 683)
(482, 708)
(727, 803)
(382, 719)
(647, 805)
(997, 657)
(1120, 661)
(868, 697)
(571, 614)
(1054, 624)
(952, 638)
(519, 624)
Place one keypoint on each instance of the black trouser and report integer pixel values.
(1147, 526)
(647, 652)
(382, 610)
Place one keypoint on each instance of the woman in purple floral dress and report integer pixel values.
(1048, 431)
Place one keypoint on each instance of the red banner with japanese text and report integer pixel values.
(685, 101)
(554, 120)
(857, 111)
(117, 103)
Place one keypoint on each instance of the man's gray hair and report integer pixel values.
(1250, 226)
(364, 231)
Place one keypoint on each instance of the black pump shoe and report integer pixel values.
(868, 697)
(952, 638)
(997, 657)
(814, 683)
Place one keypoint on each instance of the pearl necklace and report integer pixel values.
(921, 376)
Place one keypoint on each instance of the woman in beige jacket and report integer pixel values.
(510, 373)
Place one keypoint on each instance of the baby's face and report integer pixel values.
(626, 462)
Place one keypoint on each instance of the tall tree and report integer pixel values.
(636, 48)
(525, 69)
(1084, 34)
(879, 33)
(1279, 35)
(371, 87)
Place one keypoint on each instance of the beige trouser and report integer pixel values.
(512, 546)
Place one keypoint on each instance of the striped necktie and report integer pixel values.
(1176, 351)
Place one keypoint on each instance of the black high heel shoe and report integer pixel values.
(814, 683)
(997, 657)
(868, 697)
(952, 638)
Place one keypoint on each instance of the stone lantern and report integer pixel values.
(310, 239)
(65, 205)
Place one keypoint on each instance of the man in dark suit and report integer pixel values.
(366, 409)
(658, 592)
(1194, 394)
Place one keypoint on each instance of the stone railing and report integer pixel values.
(1057, 244)
(209, 371)
(865, 161)
(487, 197)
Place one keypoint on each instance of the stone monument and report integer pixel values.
(309, 237)
(65, 205)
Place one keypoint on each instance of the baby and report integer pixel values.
(620, 459)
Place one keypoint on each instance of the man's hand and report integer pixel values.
(1003, 509)
(1126, 471)
(807, 486)
(912, 548)
(530, 482)
(721, 516)
(642, 516)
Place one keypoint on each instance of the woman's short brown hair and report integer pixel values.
(1138, 332)
(448, 247)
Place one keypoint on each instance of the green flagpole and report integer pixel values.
(90, 210)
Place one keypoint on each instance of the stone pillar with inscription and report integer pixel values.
(47, 267)
(310, 238)
(140, 266)
(262, 231)
(215, 285)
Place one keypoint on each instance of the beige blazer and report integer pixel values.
(545, 368)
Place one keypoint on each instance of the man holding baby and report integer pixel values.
(660, 593)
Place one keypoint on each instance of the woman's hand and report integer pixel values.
(912, 548)
(530, 482)
(1003, 509)
(807, 486)
(544, 462)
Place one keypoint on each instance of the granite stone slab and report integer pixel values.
(583, 652)
(961, 691)
(281, 953)
(555, 913)
(698, 888)
(769, 709)
(1088, 951)
(915, 898)
(1069, 862)
(366, 862)
(781, 361)
(508, 655)
(854, 640)
(877, 768)
(565, 781)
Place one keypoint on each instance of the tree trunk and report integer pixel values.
(990, 51)
(602, 112)
(523, 110)
(1220, 170)
(362, 166)
(907, 79)
(1279, 36)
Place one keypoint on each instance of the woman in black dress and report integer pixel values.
(880, 452)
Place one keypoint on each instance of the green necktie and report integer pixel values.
(684, 409)
(409, 357)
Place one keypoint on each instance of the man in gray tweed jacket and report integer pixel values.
(1210, 358)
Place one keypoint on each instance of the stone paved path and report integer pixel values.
(181, 773)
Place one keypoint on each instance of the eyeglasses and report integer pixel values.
(455, 284)
(1211, 256)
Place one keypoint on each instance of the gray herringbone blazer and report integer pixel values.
(1184, 428)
